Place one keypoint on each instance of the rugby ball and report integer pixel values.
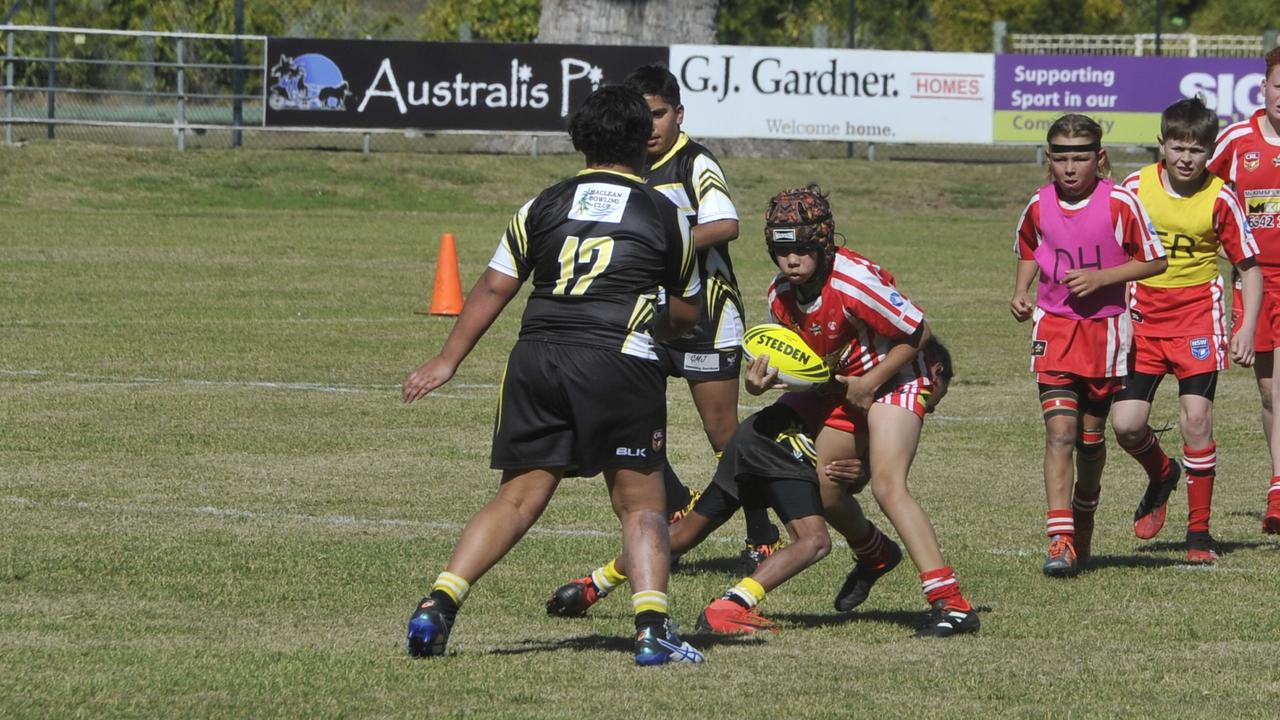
(798, 366)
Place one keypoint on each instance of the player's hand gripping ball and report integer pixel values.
(798, 366)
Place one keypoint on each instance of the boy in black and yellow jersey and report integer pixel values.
(709, 357)
(583, 392)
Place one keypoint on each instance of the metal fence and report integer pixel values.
(205, 90)
(1143, 44)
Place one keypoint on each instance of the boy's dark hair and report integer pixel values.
(936, 352)
(655, 80)
(1272, 58)
(612, 127)
(1075, 125)
(1189, 119)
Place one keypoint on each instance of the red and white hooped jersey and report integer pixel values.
(1188, 298)
(1133, 230)
(1250, 161)
(858, 317)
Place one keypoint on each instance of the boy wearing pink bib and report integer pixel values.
(1084, 237)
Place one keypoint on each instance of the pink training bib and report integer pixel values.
(1086, 239)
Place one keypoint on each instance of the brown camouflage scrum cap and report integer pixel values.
(800, 216)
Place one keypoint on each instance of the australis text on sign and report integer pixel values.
(438, 86)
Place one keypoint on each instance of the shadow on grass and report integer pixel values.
(1099, 562)
(1255, 514)
(1225, 547)
(910, 619)
(616, 643)
(727, 565)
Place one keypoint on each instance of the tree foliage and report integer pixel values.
(492, 20)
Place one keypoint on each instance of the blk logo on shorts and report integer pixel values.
(1200, 348)
(1039, 348)
(1135, 314)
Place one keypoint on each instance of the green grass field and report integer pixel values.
(213, 504)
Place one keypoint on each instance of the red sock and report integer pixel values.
(1060, 522)
(872, 549)
(1201, 468)
(1083, 506)
(941, 584)
(1150, 455)
(1273, 495)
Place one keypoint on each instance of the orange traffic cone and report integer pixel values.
(446, 297)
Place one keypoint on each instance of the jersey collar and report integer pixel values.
(681, 140)
(1260, 117)
(629, 176)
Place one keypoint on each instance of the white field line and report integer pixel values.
(271, 517)
(87, 379)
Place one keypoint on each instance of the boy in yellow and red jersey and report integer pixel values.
(1179, 319)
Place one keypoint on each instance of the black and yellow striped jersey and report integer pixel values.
(597, 247)
(689, 176)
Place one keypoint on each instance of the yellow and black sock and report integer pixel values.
(607, 578)
(449, 591)
(748, 593)
(652, 608)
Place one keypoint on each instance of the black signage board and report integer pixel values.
(439, 86)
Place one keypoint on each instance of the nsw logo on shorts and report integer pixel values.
(1039, 348)
(1200, 348)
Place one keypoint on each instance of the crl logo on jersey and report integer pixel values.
(308, 82)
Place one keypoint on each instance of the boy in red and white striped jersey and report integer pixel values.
(850, 310)
(1248, 156)
(1179, 319)
(1085, 238)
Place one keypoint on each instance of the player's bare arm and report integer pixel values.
(1083, 282)
(716, 232)
(1020, 304)
(1242, 350)
(485, 302)
(860, 391)
(680, 316)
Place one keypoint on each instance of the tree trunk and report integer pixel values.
(628, 22)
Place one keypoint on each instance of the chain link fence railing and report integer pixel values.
(179, 75)
(1141, 45)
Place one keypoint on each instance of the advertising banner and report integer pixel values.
(438, 86)
(828, 94)
(1125, 94)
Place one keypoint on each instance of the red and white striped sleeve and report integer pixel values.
(1232, 227)
(1134, 230)
(1223, 162)
(866, 296)
(1027, 237)
(1131, 183)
